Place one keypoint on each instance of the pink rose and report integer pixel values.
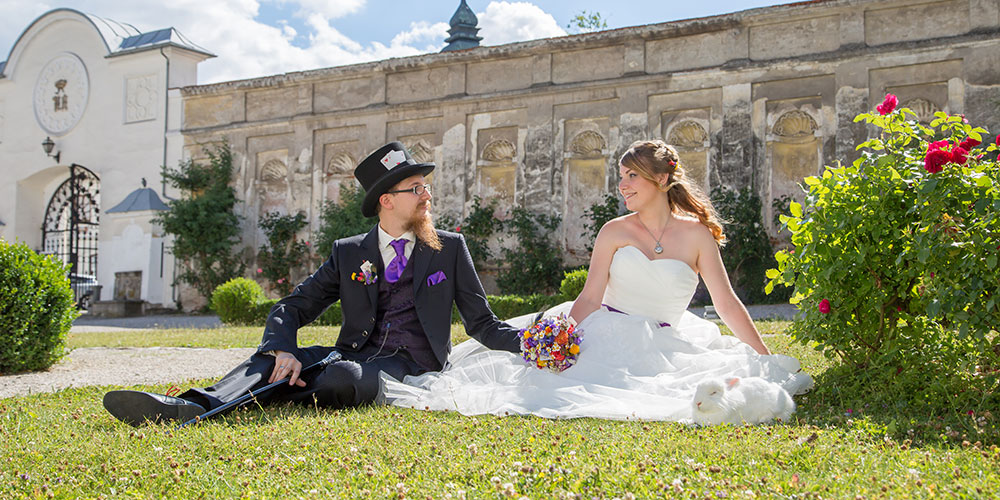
(281, 280)
(935, 160)
(888, 105)
(998, 140)
(824, 306)
(259, 270)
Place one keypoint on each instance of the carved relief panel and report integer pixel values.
(794, 143)
(339, 161)
(61, 93)
(272, 181)
(586, 156)
(421, 148)
(496, 167)
(689, 133)
(140, 98)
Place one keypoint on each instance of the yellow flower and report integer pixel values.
(574, 349)
(527, 334)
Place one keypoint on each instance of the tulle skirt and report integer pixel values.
(629, 367)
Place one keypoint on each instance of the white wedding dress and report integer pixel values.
(641, 363)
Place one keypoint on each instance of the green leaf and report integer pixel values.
(811, 180)
(795, 208)
(769, 287)
(991, 261)
(771, 273)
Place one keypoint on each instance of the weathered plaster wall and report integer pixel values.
(759, 98)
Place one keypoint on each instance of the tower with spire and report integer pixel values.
(463, 30)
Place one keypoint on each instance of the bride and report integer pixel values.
(642, 354)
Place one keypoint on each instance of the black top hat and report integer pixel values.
(385, 168)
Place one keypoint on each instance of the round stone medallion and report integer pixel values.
(61, 93)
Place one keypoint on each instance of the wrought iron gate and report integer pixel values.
(69, 231)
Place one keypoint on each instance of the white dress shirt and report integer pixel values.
(389, 253)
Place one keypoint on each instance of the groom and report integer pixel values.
(396, 286)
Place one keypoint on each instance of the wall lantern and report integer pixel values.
(48, 144)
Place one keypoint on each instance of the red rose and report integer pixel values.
(935, 160)
(959, 155)
(937, 145)
(458, 229)
(998, 140)
(969, 143)
(888, 105)
(824, 306)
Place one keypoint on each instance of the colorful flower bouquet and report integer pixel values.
(552, 343)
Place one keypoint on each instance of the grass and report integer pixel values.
(64, 445)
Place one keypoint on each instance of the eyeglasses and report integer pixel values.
(418, 190)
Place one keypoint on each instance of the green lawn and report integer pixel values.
(65, 445)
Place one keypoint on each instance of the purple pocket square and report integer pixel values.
(436, 278)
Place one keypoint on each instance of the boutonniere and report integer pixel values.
(367, 274)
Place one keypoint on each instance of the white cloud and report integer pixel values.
(248, 48)
(506, 22)
(330, 9)
(432, 35)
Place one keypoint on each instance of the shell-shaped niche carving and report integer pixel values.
(340, 164)
(499, 150)
(420, 151)
(274, 170)
(588, 143)
(688, 134)
(795, 124)
(923, 108)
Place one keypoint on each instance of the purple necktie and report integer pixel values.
(395, 268)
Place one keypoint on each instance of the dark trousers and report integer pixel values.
(351, 381)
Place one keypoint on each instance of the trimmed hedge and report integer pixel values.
(235, 301)
(36, 309)
(572, 283)
(243, 306)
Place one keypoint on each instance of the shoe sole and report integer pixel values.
(137, 407)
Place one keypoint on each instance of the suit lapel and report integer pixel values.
(371, 253)
(420, 260)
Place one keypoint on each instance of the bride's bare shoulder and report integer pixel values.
(616, 232)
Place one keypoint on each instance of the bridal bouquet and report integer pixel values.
(551, 344)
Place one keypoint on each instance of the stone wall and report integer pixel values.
(760, 98)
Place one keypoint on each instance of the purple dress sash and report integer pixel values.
(612, 309)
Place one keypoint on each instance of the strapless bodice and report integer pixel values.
(659, 289)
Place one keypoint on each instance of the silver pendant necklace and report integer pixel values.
(659, 248)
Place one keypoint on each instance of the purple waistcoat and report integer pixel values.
(397, 326)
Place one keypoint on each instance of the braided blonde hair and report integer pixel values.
(651, 159)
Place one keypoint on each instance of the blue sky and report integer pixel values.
(262, 37)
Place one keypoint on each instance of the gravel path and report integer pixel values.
(125, 366)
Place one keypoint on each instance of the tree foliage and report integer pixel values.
(284, 251)
(203, 222)
(343, 219)
(585, 22)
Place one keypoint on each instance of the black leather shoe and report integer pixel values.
(136, 407)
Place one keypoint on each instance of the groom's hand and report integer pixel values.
(286, 365)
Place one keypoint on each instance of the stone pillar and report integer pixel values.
(736, 167)
(851, 100)
(540, 166)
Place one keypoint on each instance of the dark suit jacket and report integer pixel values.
(359, 301)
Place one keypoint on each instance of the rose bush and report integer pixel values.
(895, 256)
